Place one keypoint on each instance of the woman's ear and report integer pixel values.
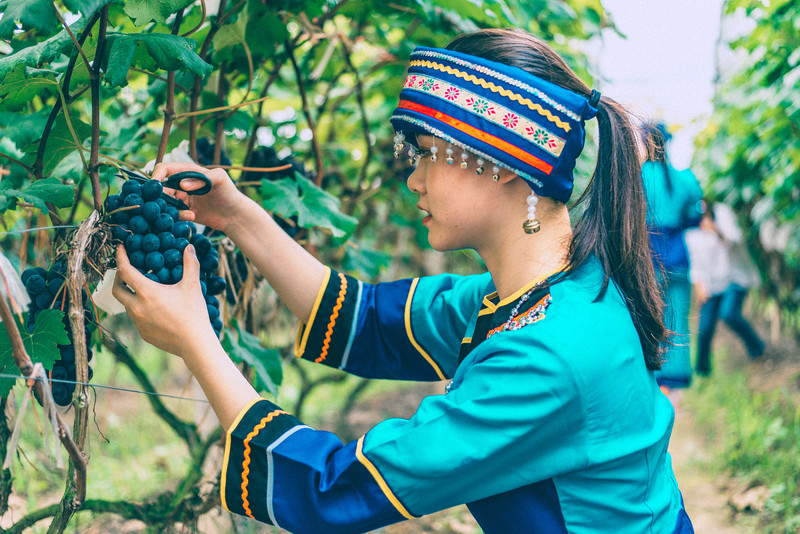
(507, 176)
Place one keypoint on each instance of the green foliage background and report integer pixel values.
(750, 149)
(314, 80)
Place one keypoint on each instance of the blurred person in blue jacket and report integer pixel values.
(674, 202)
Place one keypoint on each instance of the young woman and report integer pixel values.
(674, 199)
(552, 420)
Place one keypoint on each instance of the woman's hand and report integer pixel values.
(171, 317)
(218, 208)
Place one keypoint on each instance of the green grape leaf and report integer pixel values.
(87, 8)
(42, 346)
(20, 85)
(364, 261)
(60, 143)
(149, 51)
(37, 193)
(37, 55)
(36, 14)
(144, 11)
(313, 206)
(246, 348)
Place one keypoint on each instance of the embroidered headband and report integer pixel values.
(501, 113)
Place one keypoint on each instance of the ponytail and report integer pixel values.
(613, 228)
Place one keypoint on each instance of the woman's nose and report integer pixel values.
(416, 181)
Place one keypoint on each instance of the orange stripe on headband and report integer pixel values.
(478, 134)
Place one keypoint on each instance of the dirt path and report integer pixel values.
(705, 497)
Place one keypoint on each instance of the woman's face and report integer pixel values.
(457, 202)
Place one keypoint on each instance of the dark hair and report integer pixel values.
(612, 227)
(655, 142)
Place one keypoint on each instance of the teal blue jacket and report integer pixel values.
(550, 423)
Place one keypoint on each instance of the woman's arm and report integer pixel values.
(174, 318)
(294, 273)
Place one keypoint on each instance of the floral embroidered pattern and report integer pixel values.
(410, 81)
(502, 116)
(510, 120)
(428, 84)
(502, 77)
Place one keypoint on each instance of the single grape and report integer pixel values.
(154, 261)
(113, 202)
(163, 223)
(131, 187)
(217, 324)
(181, 243)
(176, 274)
(150, 211)
(35, 284)
(133, 200)
(164, 275)
(120, 233)
(89, 356)
(210, 263)
(121, 217)
(137, 259)
(151, 190)
(54, 286)
(43, 300)
(212, 301)
(152, 277)
(213, 312)
(150, 243)
(172, 257)
(166, 241)
(138, 225)
(60, 372)
(61, 394)
(202, 244)
(133, 243)
(173, 212)
(27, 273)
(216, 285)
(181, 229)
(162, 204)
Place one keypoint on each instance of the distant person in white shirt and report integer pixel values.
(721, 273)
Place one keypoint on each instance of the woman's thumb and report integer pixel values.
(191, 265)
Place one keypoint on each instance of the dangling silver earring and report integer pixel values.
(399, 139)
(532, 224)
(434, 150)
(495, 173)
(464, 158)
(479, 169)
(449, 152)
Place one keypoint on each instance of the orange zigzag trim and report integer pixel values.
(246, 462)
(334, 315)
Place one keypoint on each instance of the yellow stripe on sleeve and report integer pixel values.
(304, 330)
(228, 448)
(410, 334)
(379, 479)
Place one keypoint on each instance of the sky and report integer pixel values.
(664, 69)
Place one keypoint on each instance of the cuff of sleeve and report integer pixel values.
(330, 326)
(244, 478)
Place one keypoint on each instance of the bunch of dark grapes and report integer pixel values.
(47, 289)
(155, 238)
(205, 153)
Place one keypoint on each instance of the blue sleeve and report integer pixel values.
(407, 330)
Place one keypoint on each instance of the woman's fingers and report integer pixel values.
(191, 266)
(165, 169)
